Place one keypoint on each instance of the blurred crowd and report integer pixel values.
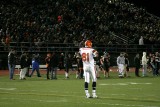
(72, 21)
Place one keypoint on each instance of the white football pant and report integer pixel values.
(89, 72)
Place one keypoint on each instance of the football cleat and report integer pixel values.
(88, 96)
(95, 96)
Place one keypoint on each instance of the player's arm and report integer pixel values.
(95, 53)
(101, 60)
(118, 60)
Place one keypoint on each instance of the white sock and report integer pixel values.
(93, 91)
(86, 91)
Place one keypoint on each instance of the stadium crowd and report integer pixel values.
(74, 21)
(71, 21)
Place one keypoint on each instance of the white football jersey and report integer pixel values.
(87, 55)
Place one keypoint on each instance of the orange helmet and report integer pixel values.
(88, 43)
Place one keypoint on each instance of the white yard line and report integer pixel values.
(8, 89)
(127, 83)
(124, 105)
(40, 100)
(65, 100)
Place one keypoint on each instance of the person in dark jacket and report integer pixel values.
(126, 65)
(24, 65)
(54, 61)
(29, 63)
(137, 64)
(11, 63)
(106, 64)
(47, 60)
(153, 64)
(80, 68)
(61, 61)
(68, 65)
(157, 63)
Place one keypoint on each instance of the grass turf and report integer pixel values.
(112, 92)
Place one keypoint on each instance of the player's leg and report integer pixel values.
(81, 74)
(23, 73)
(121, 70)
(67, 72)
(55, 73)
(33, 69)
(38, 73)
(97, 71)
(52, 72)
(94, 79)
(77, 74)
(104, 71)
(20, 75)
(86, 83)
(127, 71)
(144, 73)
(107, 72)
(48, 70)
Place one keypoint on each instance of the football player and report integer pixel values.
(106, 64)
(97, 66)
(88, 53)
(79, 73)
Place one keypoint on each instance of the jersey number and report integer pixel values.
(85, 57)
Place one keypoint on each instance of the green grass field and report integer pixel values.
(112, 92)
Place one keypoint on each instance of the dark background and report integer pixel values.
(152, 6)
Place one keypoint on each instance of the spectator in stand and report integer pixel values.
(3, 42)
(8, 40)
(141, 42)
(71, 18)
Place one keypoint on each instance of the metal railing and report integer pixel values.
(70, 47)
